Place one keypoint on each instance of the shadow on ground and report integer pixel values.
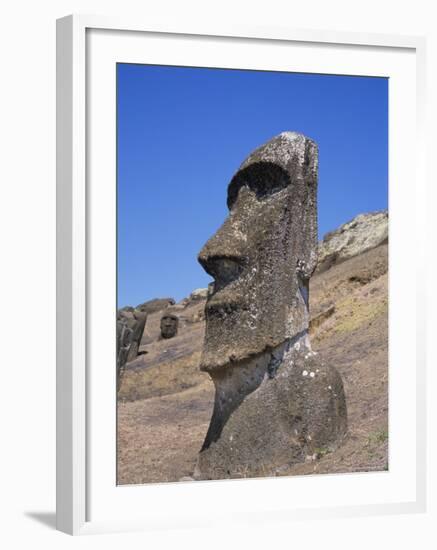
(45, 518)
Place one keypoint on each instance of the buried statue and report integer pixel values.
(276, 402)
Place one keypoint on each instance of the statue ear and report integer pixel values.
(303, 213)
(310, 175)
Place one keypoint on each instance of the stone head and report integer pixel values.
(169, 325)
(263, 255)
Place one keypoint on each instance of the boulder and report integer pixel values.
(157, 304)
(364, 232)
(199, 294)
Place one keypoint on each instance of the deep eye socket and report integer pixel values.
(263, 178)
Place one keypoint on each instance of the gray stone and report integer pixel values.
(126, 314)
(364, 232)
(199, 294)
(130, 328)
(138, 330)
(273, 412)
(275, 401)
(128, 309)
(124, 339)
(169, 325)
(264, 253)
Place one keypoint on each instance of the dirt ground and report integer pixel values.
(165, 402)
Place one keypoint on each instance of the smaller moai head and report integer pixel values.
(263, 255)
(169, 325)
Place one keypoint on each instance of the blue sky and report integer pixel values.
(183, 132)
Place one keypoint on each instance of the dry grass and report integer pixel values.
(159, 438)
(166, 378)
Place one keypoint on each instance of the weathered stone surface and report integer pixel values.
(157, 304)
(169, 325)
(196, 296)
(264, 253)
(124, 339)
(319, 319)
(128, 310)
(273, 420)
(274, 400)
(138, 330)
(364, 232)
(130, 328)
(199, 294)
(126, 313)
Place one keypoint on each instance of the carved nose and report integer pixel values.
(224, 269)
(224, 255)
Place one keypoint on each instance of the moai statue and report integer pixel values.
(276, 402)
(169, 325)
(138, 330)
(124, 339)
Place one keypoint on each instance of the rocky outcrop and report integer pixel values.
(199, 294)
(124, 340)
(157, 304)
(138, 330)
(364, 232)
(130, 329)
(196, 296)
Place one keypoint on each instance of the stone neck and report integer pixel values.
(233, 383)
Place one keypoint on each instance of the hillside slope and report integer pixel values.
(165, 402)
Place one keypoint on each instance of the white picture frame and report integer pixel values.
(81, 485)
